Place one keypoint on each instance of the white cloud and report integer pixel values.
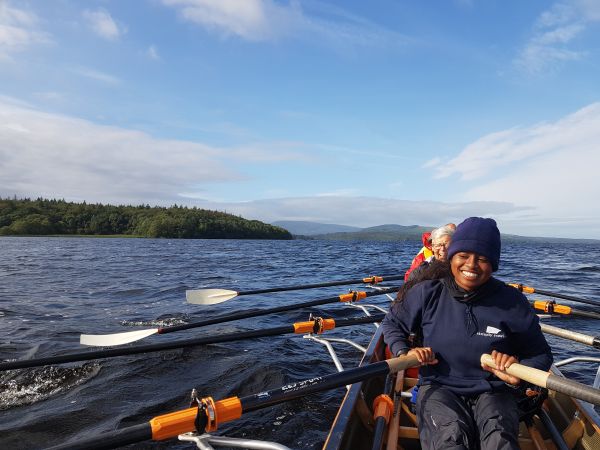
(18, 30)
(244, 18)
(152, 53)
(96, 75)
(526, 146)
(57, 156)
(554, 33)
(432, 162)
(266, 20)
(103, 24)
(551, 167)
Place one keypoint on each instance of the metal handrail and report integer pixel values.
(204, 441)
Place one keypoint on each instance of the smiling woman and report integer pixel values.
(459, 315)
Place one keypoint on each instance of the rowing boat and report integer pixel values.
(560, 422)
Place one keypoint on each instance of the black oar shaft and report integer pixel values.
(326, 284)
(262, 312)
(170, 425)
(582, 313)
(568, 297)
(532, 290)
(182, 343)
(574, 389)
(312, 385)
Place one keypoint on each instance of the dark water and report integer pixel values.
(54, 289)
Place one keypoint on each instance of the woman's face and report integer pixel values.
(440, 248)
(470, 270)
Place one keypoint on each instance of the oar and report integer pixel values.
(383, 411)
(214, 296)
(316, 325)
(394, 428)
(593, 341)
(549, 381)
(530, 290)
(551, 307)
(108, 340)
(209, 414)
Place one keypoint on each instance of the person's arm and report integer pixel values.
(534, 351)
(401, 320)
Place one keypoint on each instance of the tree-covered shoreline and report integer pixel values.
(41, 217)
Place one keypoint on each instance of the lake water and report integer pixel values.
(54, 289)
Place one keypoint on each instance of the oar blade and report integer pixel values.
(108, 340)
(209, 296)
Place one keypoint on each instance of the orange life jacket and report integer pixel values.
(425, 253)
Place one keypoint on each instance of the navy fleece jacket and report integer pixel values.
(460, 331)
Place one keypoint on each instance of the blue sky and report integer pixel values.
(357, 113)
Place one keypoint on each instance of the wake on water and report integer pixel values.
(26, 386)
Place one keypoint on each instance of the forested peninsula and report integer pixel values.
(41, 217)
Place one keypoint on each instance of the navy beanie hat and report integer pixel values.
(477, 235)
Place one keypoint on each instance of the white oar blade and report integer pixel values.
(209, 296)
(107, 340)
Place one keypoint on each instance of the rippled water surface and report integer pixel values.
(54, 289)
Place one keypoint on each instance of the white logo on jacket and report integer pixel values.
(491, 331)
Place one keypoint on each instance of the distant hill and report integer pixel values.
(304, 228)
(390, 232)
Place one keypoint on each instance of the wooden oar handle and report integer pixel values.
(529, 374)
(549, 381)
(402, 362)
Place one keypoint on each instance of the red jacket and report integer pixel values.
(423, 254)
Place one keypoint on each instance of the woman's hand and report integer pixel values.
(424, 354)
(503, 361)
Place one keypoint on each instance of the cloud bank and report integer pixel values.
(53, 156)
(552, 166)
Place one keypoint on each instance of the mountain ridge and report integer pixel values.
(391, 232)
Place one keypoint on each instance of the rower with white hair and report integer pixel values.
(440, 240)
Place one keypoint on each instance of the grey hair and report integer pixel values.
(441, 232)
